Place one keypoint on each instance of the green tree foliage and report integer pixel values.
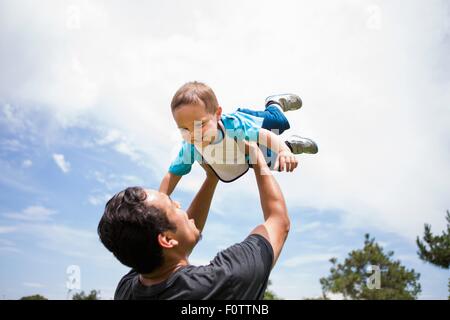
(350, 278)
(94, 295)
(436, 249)
(34, 297)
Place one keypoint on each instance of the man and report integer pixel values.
(150, 233)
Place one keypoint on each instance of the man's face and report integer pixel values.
(196, 124)
(187, 233)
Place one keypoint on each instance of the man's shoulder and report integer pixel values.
(253, 242)
(124, 287)
(254, 254)
(247, 265)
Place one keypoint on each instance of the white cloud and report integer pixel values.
(10, 249)
(99, 199)
(112, 181)
(308, 227)
(375, 91)
(33, 285)
(128, 150)
(12, 177)
(220, 233)
(32, 213)
(111, 136)
(199, 261)
(61, 162)
(8, 245)
(66, 240)
(7, 229)
(5, 242)
(27, 163)
(11, 145)
(307, 259)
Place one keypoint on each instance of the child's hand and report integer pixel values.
(286, 160)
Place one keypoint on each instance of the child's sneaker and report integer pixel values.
(300, 145)
(288, 102)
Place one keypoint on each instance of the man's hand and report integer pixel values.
(256, 157)
(286, 160)
(209, 172)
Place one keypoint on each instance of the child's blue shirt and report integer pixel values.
(237, 125)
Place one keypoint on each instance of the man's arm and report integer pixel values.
(286, 159)
(199, 208)
(276, 220)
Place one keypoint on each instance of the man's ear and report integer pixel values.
(218, 112)
(166, 240)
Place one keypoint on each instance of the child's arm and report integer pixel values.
(179, 167)
(285, 159)
(169, 183)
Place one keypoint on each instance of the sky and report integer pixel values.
(85, 90)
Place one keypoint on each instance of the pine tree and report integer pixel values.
(352, 277)
(34, 297)
(93, 295)
(436, 249)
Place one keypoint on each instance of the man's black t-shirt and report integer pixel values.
(238, 272)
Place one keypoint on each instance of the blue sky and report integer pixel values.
(85, 89)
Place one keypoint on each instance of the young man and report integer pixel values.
(150, 233)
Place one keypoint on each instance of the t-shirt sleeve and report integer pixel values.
(243, 126)
(248, 264)
(123, 290)
(182, 164)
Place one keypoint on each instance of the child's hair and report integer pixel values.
(195, 92)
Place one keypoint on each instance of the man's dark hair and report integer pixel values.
(129, 228)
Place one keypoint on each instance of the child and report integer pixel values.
(216, 139)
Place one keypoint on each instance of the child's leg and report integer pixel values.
(274, 119)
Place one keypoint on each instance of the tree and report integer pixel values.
(351, 278)
(34, 297)
(436, 249)
(269, 294)
(94, 295)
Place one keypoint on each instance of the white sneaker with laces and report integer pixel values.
(288, 101)
(299, 145)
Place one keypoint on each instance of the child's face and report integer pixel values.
(196, 124)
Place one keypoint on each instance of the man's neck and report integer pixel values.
(162, 273)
